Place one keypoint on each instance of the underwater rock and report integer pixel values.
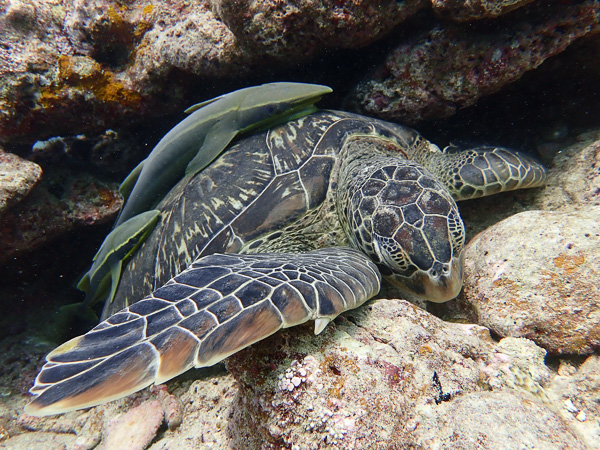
(499, 419)
(574, 391)
(379, 375)
(17, 178)
(40, 439)
(187, 40)
(207, 411)
(574, 178)
(60, 203)
(463, 10)
(172, 407)
(95, 65)
(135, 429)
(81, 67)
(451, 66)
(30, 41)
(535, 275)
(295, 31)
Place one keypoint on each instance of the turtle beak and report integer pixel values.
(436, 284)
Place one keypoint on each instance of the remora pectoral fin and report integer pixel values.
(115, 277)
(197, 106)
(128, 183)
(217, 139)
(84, 284)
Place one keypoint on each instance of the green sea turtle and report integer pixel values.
(293, 224)
(184, 151)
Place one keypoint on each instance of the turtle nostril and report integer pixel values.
(438, 269)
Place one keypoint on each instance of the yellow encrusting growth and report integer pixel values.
(148, 9)
(83, 74)
(569, 263)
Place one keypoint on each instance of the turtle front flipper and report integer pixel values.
(482, 171)
(218, 306)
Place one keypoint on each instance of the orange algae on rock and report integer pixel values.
(569, 263)
(83, 74)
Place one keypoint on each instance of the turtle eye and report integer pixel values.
(391, 256)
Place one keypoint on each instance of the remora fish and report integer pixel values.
(105, 273)
(200, 138)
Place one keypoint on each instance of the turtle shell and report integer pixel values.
(260, 184)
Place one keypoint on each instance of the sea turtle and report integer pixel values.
(184, 151)
(288, 225)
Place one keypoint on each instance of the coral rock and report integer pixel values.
(17, 178)
(40, 439)
(380, 375)
(293, 31)
(451, 67)
(494, 420)
(59, 204)
(574, 178)
(575, 391)
(535, 275)
(136, 428)
(463, 10)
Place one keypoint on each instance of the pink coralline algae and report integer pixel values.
(451, 67)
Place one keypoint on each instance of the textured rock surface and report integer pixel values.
(535, 275)
(97, 65)
(135, 429)
(494, 420)
(574, 179)
(463, 10)
(17, 178)
(367, 382)
(448, 67)
(574, 390)
(57, 205)
(40, 439)
(207, 413)
(295, 31)
(93, 64)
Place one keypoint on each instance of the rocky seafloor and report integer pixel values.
(86, 90)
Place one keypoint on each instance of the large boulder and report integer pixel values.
(436, 72)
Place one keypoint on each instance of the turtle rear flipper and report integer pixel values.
(220, 305)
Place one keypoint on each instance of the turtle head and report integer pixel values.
(409, 225)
